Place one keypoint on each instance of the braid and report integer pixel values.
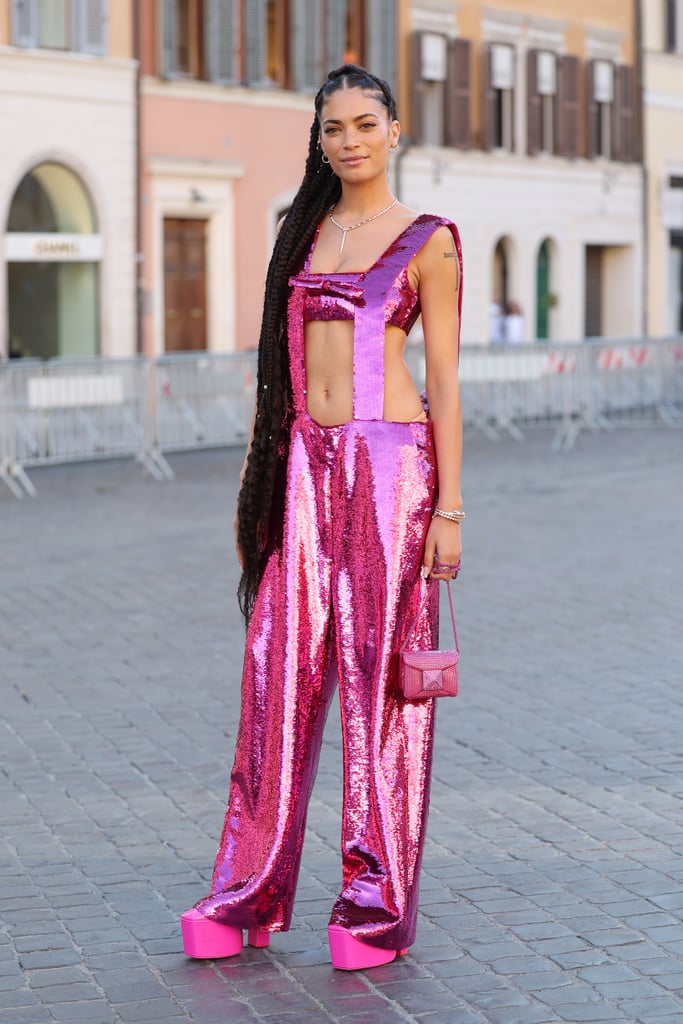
(259, 521)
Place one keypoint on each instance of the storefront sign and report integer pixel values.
(24, 247)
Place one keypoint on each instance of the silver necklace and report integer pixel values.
(352, 227)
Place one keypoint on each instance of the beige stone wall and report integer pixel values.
(120, 28)
(78, 111)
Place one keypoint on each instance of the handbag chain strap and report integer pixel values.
(450, 603)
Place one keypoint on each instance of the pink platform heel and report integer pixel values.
(258, 938)
(349, 954)
(204, 939)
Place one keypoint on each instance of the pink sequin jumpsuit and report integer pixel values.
(338, 596)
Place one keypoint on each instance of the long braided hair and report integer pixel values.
(318, 192)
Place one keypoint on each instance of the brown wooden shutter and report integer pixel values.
(417, 91)
(534, 113)
(457, 130)
(489, 100)
(567, 107)
(625, 113)
(592, 112)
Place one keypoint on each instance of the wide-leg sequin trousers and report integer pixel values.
(337, 599)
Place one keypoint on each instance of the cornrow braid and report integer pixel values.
(258, 525)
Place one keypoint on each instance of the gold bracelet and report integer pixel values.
(456, 516)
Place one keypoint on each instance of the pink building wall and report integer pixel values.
(268, 138)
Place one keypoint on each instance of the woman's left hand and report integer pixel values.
(443, 548)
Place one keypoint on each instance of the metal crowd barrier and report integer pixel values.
(65, 410)
(593, 385)
(202, 401)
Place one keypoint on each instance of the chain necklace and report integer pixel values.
(352, 227)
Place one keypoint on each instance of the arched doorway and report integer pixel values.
(53, 250)
(501, 272)
(544, 297)
(500, 291)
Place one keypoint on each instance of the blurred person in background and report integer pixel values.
(514, 324)
(349, 506)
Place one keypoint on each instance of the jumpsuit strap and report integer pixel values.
(370, 318)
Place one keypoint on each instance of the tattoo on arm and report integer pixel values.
(453, 256)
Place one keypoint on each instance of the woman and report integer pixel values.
(337, 534)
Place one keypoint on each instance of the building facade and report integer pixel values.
(525, 129)
(67, 178)
(149, 149)
(663, 99)
(226, 109)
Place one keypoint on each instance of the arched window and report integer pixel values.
(53, 251)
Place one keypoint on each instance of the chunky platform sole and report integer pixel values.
(349, 954)
(204, 939)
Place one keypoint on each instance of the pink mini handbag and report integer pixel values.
(425, 674)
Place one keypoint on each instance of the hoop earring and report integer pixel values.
(325, 159)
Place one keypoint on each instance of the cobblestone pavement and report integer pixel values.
(553, 877)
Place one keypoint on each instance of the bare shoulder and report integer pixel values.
(440, 243)
(438, 258)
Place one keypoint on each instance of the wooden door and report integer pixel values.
(593, 298)
(184, 284)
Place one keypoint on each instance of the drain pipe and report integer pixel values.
(405, 144)
(137, 47)
(641, 157)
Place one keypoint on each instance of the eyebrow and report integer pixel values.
(361, 117)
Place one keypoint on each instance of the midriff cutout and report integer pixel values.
(328, 347)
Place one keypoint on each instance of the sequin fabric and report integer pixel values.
(340, 593)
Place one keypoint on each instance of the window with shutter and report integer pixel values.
(381, 41)
(221, 33)
(458, 94)
(25, 22)
(499, 77)
(417, 89)
(89, 24)
(624, 114)
(306, 39)
(601, 108)
(254, 43)
(547, 87)
(432, 69)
